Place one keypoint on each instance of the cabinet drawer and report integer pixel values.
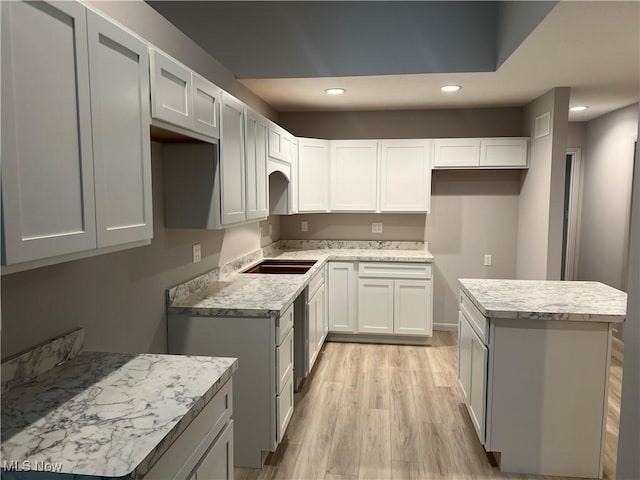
(394, 270)
(284, 324)
(284, 361)
(187, 450)
(477, 320)
(217, 464)
(284, 408)
(316, 282)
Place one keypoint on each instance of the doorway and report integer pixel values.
(571, 220)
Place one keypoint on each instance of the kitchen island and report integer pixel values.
(101, 415)
(533, 367)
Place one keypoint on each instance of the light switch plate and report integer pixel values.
(376, 227)
(488, 260)
(197, 253)
(304, 226)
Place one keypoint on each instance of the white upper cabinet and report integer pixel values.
(354, 179)
(182, 98)
(508, 152)
(47, 164)
(313, 175)
(405, 175)
(256, 133)
(232, 161)
(456, 153)
(293, 180)
(280, 143)
(171, 91)
(504, 152)
(206, 107)
(120, 124)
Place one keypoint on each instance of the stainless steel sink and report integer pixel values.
(288, 267)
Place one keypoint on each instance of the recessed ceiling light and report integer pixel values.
(450, 88)
(335, 91)
(578, 108)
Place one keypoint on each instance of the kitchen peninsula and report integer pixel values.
(533, 367)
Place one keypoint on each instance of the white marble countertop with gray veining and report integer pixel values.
(268, 295)
(108, 414)
(546, 300)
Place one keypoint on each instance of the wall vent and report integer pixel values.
(543, 125)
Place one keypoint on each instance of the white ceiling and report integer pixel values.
(391, 55)
(592, 47)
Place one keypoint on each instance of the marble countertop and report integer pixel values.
(268, 295)
(546, 300)
(108, 414)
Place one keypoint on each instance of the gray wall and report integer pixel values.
(628, 467)
(481, 204)
(540, 212)
(576, 135)
(608, 169)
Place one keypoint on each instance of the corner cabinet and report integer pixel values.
(75, 170)
(405, 175)
(313, 175)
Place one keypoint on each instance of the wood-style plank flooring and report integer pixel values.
(394, 412)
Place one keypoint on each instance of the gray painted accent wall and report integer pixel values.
(463, 122)
(118, 298)
(540, 211)
(608, 171)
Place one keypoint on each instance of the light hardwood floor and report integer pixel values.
(394, 412)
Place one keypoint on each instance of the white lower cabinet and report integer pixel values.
(204, 450)
(318, 325)
(375, 305)
(341, 293)
(472, 373)
(263, 399)
(395, 298)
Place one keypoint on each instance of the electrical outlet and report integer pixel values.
(488, 260)
(376, 227)
(304, 226)
(197, 253)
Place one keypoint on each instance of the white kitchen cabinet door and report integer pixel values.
(412, 307)
(118, 64)
(47, 164)
(478, 395)
(171, 91)
(232, 161)
(217, 463)
(504, 152)
(375, 305)
(456, 153)
(206, 107)
(341, 297)
(321, 318)
(405, 175)
(293, 179)
(256, 161)
(465, 347)
(313, 175)
(313, 330)
(354, 175)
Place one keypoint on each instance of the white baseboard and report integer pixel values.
(446, 327)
